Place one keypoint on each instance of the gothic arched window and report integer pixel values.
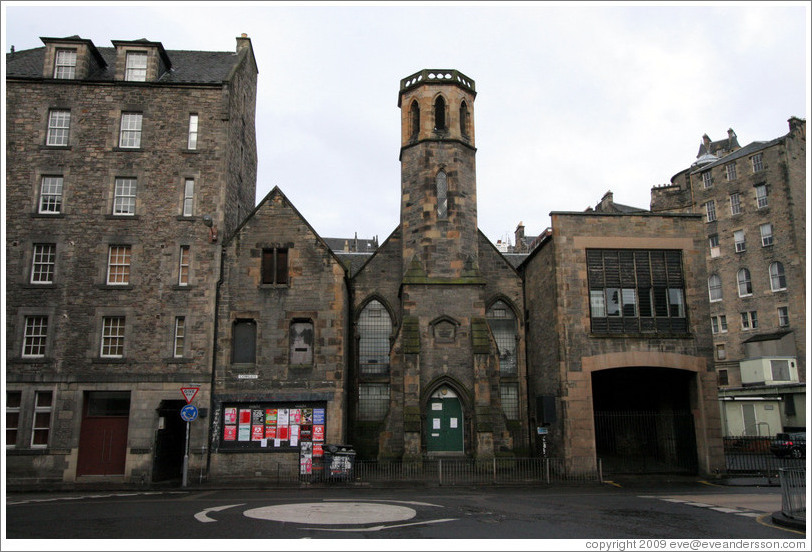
(441, 182)
(439, 113)
(502, 322)
(414, 117)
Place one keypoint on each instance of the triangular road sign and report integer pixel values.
(189, 393)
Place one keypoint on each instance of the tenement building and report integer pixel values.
(125, 168)
(138, 266)
(753, 202)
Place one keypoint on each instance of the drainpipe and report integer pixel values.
(214, 359)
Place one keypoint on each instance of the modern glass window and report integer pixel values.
(301, 343)
(189, 197)
(749, 320)
(35, 336)
(43, 262)
(13, 402)
(192, 141)
(112, 341)
(766, 234)
(738, 241)
(374, 331)
(180, 336)
(275, 265)
(509, 393)
(730, 171)
(43, 408)
(715, 287)
(707, 180)
(124, 196)
(65, 64)
(130, 130)
(118, 265)
(136, 67)
(373, 401)
(710, 211)
(735, 204)
(502, 322)
(743, 279)
(441, 184)
(58, 127)
(636, 291)
(184, 263)
(783, 316)
(758, 164)
(50, 195)
(778, 280)
(761, 196)
(244, 342)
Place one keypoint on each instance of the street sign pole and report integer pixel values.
(186, 457)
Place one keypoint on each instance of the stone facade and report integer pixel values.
(731, 178)
(110, 196)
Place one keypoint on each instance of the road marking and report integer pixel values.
(377, 527)
(612, 483)
(721, 509)
(377, 500)
(203, 518)
(326, 513)
(82, 497)
(760, 520)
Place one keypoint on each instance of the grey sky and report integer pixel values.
(573, 100)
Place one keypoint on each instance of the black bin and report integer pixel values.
(339, 462)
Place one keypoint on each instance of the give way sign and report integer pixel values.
(189, 393)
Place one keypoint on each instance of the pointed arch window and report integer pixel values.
(502, 322)
(374, 329)
(441, 182)
(439, 113)
(464, 118)
(414, 118)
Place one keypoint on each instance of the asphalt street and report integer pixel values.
(618, 510)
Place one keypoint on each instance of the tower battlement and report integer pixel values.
(437, 76)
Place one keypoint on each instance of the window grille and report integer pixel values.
(373, 401)
(441, 182)
(509, 393)
(374, 331)
(502, 322)
(35, 336)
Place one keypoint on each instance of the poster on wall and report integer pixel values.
(306, 458)
(244, 433)
(245, 416)
(318, 416)
(295, 416)
(230, 433)
(230, 415)
(318, 433)
(294, 435)
(275, 427)
(257, 432)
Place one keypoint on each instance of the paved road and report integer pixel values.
(612, 511)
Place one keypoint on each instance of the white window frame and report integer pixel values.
(710, 211)
(194, 121)
(707, 181)
(65, 63)
(730, 171)
(713, 245)
(740, 244)
(131, 127)
(761, 196)
(783, 317)
(778, 278)
(43, 263)
(13, 410)
(766, 231)
(744, 284)
(179, 337)
(135, 69)
(124, 196)
(50, 195)
(35, 336)
(735, 203)
(758, 162)
(119, 259)
(112, 337)
(58, 127)
(715, 285)
(184, 265)
(35, 423)
(189, 197)
(749, 320)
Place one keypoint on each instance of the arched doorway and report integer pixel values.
(444, 431)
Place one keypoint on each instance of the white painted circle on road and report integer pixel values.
(341, 513)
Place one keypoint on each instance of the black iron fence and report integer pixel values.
(793, 492)
(749, 455)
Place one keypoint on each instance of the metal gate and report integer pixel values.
(646, 441)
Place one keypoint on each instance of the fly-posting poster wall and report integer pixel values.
(275, 427)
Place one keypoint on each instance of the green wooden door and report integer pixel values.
(444, 420)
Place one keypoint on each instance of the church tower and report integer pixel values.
(438, 213)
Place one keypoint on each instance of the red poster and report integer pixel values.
(282, 432)
(270, 432)
(318, 433)
(317, 450)
(257, 432)
(229, 433)
(230, 415)
(245, 416)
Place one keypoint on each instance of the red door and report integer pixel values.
(103, 438)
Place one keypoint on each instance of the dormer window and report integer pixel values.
(136, 67)
(65, 64)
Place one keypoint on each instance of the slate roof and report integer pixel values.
(749, 149)
(187, 66)
(353, 261)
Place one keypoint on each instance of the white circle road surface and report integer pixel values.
(342, 513)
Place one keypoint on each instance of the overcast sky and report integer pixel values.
(573, 100)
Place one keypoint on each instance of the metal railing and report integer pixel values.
(748, 455)
(793, 492)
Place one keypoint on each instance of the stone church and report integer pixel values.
(591, 347)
